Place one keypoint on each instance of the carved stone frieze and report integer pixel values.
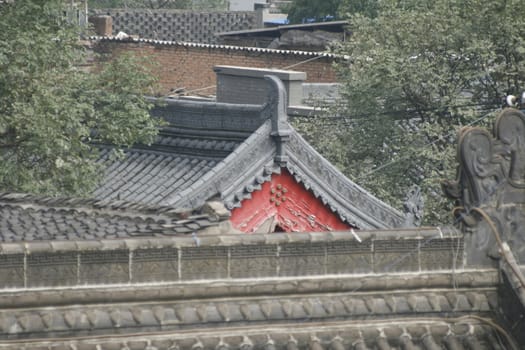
(127, 317)
(150, 265)
(253, 261)
(302, 259)
(490, 187)
(12, 270)
(57, 269)
(349, 253)
(104, 267)
(204, 262)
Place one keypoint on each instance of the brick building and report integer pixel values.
(190, 66)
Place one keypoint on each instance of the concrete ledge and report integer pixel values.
(284, 75)
(360, 284)
(247, 85)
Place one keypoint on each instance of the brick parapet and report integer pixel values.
(226, 257)
(190, 66)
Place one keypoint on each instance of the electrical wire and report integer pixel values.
(385, 165)
(303, 62)
(405, 115)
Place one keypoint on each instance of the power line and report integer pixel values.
(404, 113)
(385, 165)
(305, 61)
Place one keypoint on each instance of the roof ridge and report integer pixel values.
(215, 46)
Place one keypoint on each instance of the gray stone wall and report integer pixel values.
(178, 25)
(192, 258)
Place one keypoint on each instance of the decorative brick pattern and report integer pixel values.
(52, 269)
(204, 263)
(11, 270)
(151, 265)
(100, 267)
(253, 261)
(299, 259)
(199, 27)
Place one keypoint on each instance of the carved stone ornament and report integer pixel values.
(490, 188)
(281, 130)
(414, 206)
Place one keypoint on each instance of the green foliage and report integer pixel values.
(318, 10)
(199, 5)
(368, 8)
(417, 72)
(52, 110)
(210, 5)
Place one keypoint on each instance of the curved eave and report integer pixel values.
(350, 201)
(252, 163)
(236, 176)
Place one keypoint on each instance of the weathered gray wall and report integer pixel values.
(178, 25)
(237, 84)
(39, 264)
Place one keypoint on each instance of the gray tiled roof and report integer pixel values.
(150, 177)
(26, 217)
(418, 335)
(219, 150)
(198, 137)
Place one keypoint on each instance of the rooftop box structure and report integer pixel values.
(247, 85)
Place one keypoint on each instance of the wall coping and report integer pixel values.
(284, 75)
(211, 240)
(217, 47)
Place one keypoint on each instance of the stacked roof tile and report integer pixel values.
(226, 151)
(30, 218)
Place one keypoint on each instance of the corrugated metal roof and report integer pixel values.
(217, 47)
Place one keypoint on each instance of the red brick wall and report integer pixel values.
(183, 66)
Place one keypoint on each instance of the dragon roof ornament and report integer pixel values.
(490, 187)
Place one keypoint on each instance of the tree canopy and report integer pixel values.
(300, 11)
(312, 10)
(53, 111)
(161, 4)
(417, 71)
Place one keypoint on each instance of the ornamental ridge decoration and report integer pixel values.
(307, 158)
(490, 186)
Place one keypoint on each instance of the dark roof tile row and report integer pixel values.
(28, 218)
(463, 333)
(242, 311)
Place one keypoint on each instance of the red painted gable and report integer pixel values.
(291, 207)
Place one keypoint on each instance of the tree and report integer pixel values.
(300, 11)
(161, 4)
(417, 72)
(52, 111)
